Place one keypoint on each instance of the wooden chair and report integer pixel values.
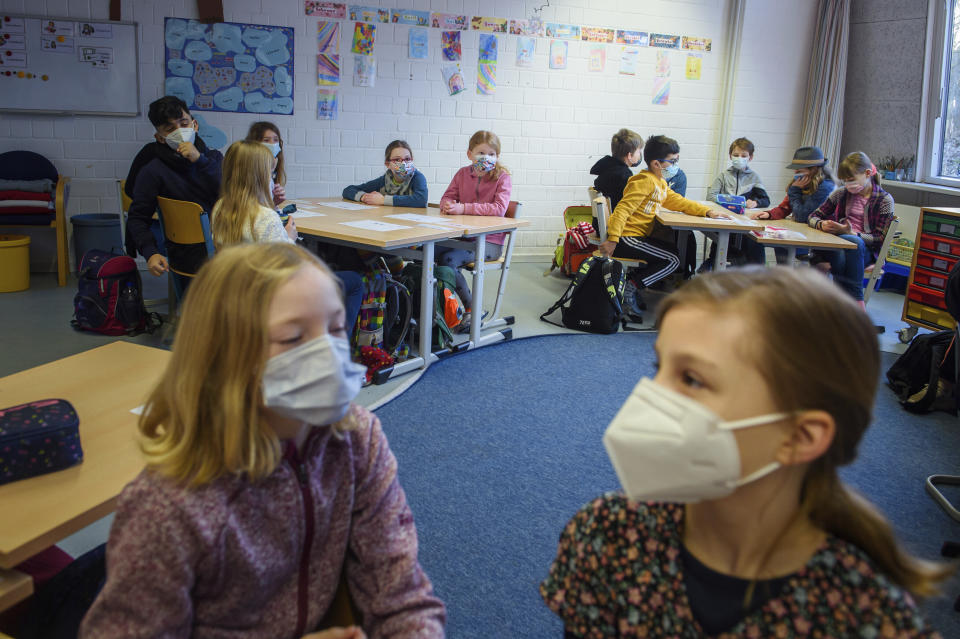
(184, 223)
(872, 273)
(26, 166)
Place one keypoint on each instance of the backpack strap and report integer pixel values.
(566, 297)
(607, 268)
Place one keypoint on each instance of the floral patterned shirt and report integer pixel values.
(619, 573)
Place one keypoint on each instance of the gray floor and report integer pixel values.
(35, 329)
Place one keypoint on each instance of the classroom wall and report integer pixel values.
(554, 124)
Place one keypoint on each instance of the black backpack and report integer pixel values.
(109, 297)
(594, 300)
(916, 375)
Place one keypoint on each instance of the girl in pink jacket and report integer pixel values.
(482, 188)
(264, 485)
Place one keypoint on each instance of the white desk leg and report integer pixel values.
(427, 282)
(723, 241)
(791, 256)
(479, 266)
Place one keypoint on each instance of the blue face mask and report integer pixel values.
(670, 171)
(274, 147)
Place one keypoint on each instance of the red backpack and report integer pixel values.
(109, 299)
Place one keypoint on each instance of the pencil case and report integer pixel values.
(735, 203)
(38, 438)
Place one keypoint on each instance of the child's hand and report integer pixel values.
(759, 215)
(291, 229)
(187, 150)
(353, 632)
(374, 199)
(751, 204)
(715, 214)
(802, 181)
(608, 247)
(452, 208)
(279, 194)
(829, 226)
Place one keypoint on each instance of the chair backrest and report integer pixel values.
(513, 210)
(888, 240)
(601, 211)
(26, 165)
(185, 223)
(592, 194)
(125, 200)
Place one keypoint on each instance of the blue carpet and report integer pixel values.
(492, 481)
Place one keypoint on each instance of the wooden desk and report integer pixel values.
(103, 384)
(722, 227)
(330, 228)
(14, 588)
(812, 238)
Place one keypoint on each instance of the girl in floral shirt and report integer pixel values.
(734, 522)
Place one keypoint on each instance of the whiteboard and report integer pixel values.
(66, 66)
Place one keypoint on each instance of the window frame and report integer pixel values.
(933, 98)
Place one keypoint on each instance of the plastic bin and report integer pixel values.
(930, 278)
(14, 263)
(927, 296)
(942, 225)
(937, 244)
(95, 231)
(936, 262)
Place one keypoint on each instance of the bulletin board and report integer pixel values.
(229, 66)
(67, 66)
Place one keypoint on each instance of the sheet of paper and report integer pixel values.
(375, 225)
(350, 206)
(301, 214)
(429, 219)
(138, 410)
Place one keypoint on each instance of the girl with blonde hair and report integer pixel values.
(734, 520)
(264, 483)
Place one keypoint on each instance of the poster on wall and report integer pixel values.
(598, 59)
(596, 34)
(694, 65)
(633, 38)
(409, 16)
(327, 104)
(664, 41)
(450, 45)
(696, 44)
(330, 10)
(359, 13)
(449, 21)
(328, 53)
(363, 37)
(487, 65)
(452, 77)
(532, 27)
(628, 60)
(526, 47)
(229, 66)
(364, 70)
(482, 23)
(558, 54)
(564, 31)
(661, 81)
(419, 43)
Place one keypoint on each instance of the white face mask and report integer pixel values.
(667, 447)
(274, 147)
(314, 382)
(186, 134)
(739, 163)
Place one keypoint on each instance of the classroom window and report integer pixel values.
(949, 151)
(939, 156)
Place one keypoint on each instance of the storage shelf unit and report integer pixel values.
(936, 251)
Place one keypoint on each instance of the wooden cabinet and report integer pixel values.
(936, 251)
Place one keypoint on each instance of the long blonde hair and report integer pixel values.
(255, 134)
(789, 310)
(490, 138)
(244, 189)
(204, 419)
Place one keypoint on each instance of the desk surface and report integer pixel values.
(14, 588)
(812, 237)
(40, 511)
(682, 220)
(330, 225)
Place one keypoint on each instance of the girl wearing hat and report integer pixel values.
(812, 183)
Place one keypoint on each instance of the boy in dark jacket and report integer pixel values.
(613, 171)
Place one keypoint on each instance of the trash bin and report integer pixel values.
(95, 231)
(14, 263)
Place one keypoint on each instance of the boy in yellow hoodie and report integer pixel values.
(632, 221)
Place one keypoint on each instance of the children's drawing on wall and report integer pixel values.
(450, 45)
(326, 104)
(419, 43)
(598, 59)
(453, 77)
(364, 71)
(628, 60)
(363, 37)
(558, 54)
(694, 65)
(526, 47)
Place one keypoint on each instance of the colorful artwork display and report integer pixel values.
(596, 34)
(696, 44)
(558, 54)
(526, 27)
(598, 59)
(664, 41)
(331, 10)
(449, 21)
(328, 69)
(327, 104)
(364, 71)
(496, 25)
(450, 45)
(452, 77)
(564, 31)
(694, 65)
(419, 43)
(526, 47)
(633, 38)
(363, 37)
(369, 14)
(486, 78)
(229, 66)
(488, 48)
(628, 60)
(409, 16)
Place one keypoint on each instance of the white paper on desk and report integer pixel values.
(138, 410)
(737, 219)
(429, 219)
(375, 225)
(303, 213)
(350, 206)
(778, 233)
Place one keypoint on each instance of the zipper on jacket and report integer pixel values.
(303, 582)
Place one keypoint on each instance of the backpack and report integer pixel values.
(384, 318)
(448, 310)
(594, 300)
(925, 373)
(109, 298)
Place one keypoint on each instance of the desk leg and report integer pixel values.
(495, 320)
(427, 282)
(723, 242)
(791, 256)
(479, 267)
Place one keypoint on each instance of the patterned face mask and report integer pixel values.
(484, 163)
(402, 169)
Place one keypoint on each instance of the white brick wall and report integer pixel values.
(553, 124)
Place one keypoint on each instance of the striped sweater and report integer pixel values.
(878, 214)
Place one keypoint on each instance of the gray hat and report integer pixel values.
(806, 157)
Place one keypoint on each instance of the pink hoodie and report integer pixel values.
(480, 196)
(236, 559)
